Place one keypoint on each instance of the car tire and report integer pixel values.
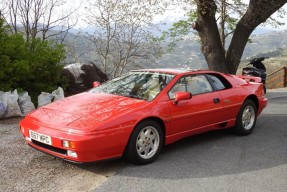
(145, 143)
(246, 118)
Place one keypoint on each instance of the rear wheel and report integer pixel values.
(246, 118)
(145, 143)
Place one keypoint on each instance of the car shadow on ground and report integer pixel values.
(216, 153)
(221, 152)
(210, 154)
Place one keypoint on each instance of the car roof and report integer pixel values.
(174, 71)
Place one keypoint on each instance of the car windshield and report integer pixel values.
(139, 85)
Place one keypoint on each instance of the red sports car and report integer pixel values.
(136, 114)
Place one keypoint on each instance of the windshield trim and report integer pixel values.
(143, 85)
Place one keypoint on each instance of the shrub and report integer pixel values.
(32, 65)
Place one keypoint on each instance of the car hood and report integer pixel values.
(85, 110)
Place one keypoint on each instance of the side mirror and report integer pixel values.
(96, 84)
(180, 96)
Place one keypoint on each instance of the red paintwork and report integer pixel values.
(100, 124)
(250, 78)
(180, 96)
(96, 84)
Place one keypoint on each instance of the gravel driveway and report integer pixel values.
(23, 168)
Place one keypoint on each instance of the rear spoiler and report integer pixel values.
(250, 78)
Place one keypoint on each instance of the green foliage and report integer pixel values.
(178, 30)
(227, 15)
(231, 23)
(32, 66)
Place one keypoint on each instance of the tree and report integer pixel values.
(36, 18)
(256, 13)
(33, 66)
(214, 21)
(122, 34)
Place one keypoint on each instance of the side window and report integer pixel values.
(198, 84)
(178, 87)
(195, 84)
(219, 82)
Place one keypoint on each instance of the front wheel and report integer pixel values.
(145, 143)
(246, 118)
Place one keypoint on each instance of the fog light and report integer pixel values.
(65, 143)
(72, 153)
(68, 144)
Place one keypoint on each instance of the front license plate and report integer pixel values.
(40, 137)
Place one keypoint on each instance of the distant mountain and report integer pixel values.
(187, 52)
(268, 44)
(262, 30)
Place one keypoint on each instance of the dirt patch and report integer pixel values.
(23, 168)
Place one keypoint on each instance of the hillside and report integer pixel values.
(187, 52)
(277, 59)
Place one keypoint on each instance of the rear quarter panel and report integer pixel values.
(248, 89)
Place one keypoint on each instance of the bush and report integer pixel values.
(33, 66)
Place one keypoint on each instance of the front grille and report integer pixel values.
(49, 147)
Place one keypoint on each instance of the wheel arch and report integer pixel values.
(240, 127)
(158, 120)
(152, 118)
(254, 99)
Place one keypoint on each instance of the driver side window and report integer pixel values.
(180, 86)
(195, 84)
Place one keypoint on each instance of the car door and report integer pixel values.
(231, 97)
(199, 112)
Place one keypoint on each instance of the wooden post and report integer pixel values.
(285, 77)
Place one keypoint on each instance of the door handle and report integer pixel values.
(216, 100)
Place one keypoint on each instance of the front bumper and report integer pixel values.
(88, 148)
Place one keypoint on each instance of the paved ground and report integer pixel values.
(216, 161)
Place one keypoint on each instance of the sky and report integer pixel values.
(176, 13)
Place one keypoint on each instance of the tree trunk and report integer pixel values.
(206, 26)
(257, 12)
(222, 22)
